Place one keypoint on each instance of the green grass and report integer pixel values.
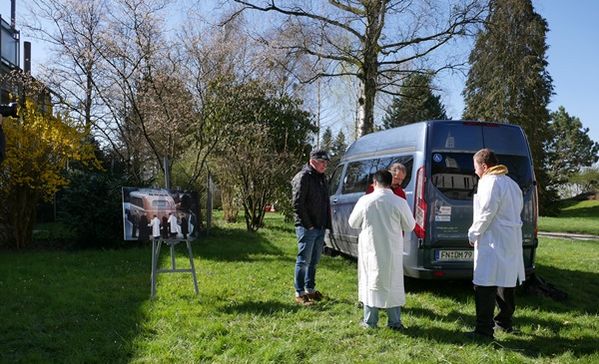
(94, 306)
(575, 217)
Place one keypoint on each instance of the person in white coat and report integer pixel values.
(174, 227)
(496, 234)
(155, 225)
(382, 216)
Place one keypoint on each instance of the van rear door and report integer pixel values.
(452, 146)
(453, 184)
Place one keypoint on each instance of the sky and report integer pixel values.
(573, 58)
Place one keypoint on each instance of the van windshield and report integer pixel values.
(453, 173)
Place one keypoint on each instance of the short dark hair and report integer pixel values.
(383, 177)
(320, 154)
(487, 157)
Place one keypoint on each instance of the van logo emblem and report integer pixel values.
(437, 157)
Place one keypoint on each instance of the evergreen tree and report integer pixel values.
(416, 103)
(338, 149)
(326, 142)
(508, 80)
(570, 147)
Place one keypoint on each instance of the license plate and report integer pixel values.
(454, 255)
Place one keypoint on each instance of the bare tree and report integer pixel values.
(72, 28)
(377, 41)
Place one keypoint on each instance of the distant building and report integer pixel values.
(10, 55)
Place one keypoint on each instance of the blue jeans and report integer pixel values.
(371, 316)
(309, 245)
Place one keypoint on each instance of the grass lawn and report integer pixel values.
(94, 306)
(575, 217)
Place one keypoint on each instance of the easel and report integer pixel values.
(156, 244)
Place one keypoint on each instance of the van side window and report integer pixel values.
(357, 176)
(453, 174)
(335, 179)
(406, 160)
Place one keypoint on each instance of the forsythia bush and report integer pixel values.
(39, 148)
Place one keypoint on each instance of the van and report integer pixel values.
(440, 184)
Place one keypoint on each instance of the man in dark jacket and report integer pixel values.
(311, 212)
(2, 141)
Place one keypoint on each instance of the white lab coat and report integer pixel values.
(497, 232)
(382, 216)
(172, 220)
(155, 224)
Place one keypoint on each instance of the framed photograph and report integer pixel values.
(159, 213)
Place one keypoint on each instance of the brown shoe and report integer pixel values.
(303, 300)
(315, 296)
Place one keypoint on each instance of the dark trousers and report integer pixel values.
(485, 299)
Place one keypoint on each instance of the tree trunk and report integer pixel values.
(370, 67)
(21, 215)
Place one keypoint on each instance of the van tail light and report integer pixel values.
(420, 204)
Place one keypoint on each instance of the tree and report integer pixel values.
(338, 149)
(39, 146)
(378, 42)
(508, 80)
(266, 143)
(327, 140)
(416, 103)
(587, 180)
(569, 148)
(74, 38)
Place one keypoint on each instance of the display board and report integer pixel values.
(176, 210)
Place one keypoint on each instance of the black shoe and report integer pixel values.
(400, 328)
(477, 336)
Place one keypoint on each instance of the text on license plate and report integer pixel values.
(453, 255)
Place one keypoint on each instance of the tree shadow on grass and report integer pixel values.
(527, 344)
(234, 245)
(532, 346)
(582, 289)
(62, 307)
(587, 211)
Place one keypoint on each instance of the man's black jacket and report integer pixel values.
(311, 199)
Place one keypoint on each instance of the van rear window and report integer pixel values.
(453, 173)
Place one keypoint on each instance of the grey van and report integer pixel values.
(439, 185)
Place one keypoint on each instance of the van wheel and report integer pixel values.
(330, 252)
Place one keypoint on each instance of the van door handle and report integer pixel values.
(335, 200)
